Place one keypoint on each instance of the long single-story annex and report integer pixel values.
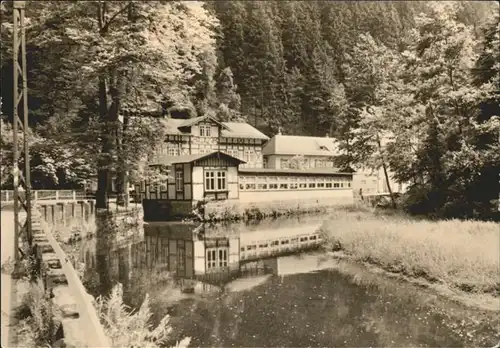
(216, 177)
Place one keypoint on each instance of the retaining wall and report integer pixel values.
(227, 210)
(80, 325)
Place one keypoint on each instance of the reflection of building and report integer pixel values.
(216, 254)
(188, 251)
(267, 243)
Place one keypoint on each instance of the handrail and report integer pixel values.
(39, 195)
(94, 332)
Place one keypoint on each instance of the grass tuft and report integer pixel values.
(461, 254)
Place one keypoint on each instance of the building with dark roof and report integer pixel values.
(316, 152)
(202, 135)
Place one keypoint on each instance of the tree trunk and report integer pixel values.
(386, 175)
(122, 197)
(104, 158)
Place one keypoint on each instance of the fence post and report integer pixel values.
(35, 195)
(74, 195)
(6, 196)
(57, 195)
(53, 211)
(63, 213)
(92, 207)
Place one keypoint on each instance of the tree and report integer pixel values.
(370, 83)
(228, 97)
(340, 108)
(449, 154)
(319, 89)
(128, 56)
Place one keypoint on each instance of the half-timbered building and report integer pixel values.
(202, 135)
(193, 178)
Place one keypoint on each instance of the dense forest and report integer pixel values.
(408, 85)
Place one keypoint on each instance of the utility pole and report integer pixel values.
(20, 102)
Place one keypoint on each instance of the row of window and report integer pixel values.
(276, 243)
(216, 180)
(299, 179)
(308, 163)
(293, 186)
(207, 133)
(247, 156)
(292, 183)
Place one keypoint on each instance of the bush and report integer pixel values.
(127, 328)
(38, 320)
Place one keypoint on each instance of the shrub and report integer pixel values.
(38, 317)
(127, 328)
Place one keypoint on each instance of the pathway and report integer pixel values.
(7, 240)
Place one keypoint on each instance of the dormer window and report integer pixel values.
(205, 130)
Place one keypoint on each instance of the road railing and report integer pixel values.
(42, 195)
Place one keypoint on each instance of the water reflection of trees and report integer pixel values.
(344, 307)
(330, 308)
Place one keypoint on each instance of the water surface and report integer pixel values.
(301, 300)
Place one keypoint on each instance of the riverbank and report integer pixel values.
(458, 258)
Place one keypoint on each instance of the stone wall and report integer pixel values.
(163, 210)
(229, 210)
(75, 305)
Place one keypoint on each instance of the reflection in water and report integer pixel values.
(233, 285)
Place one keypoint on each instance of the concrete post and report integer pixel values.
(82, 205)
(92, 207)
(35, 195)
(53, 211)
(74, 195)
(86, 210)
(63, 213)
(73, 210)
(45, 212)
(57, 195)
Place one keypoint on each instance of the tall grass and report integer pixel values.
(461, 254)
(127, 328)
(38, 317)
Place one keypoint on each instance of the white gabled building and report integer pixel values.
(318, 152)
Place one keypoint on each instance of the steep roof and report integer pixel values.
(300, 145)
(175, 126)
(192, 121)
(169, 160)
(242, 130)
